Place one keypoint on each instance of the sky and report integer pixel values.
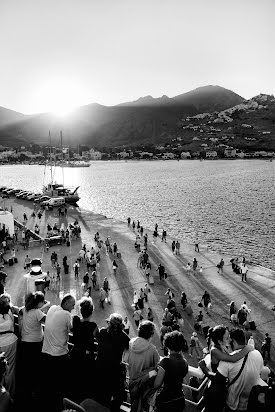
(57, 54)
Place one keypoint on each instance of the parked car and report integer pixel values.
(41, 199)
(32, 196)
(10, 191)
(7, 190)
(25, 195)
(2, 188)
(20, 194)
(54, 202)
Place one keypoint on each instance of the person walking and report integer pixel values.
(232, 311)
(94, 279)
(126, 325)
(220, 266)
(150, 315)
(194, 345)
(161, 271)
(164, 234)
(147, 271)
(183, 300)
(115, 266)
(244, 271)
(115, 249)
(177, 247)
(265, 349)
(146, 291)
(76, 269)
(197, 249)
(137, 316)
(206, 301)
(27, 262)
(102, 297)
(173, 246)
(195, 264)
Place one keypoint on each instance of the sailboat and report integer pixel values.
(54, 189)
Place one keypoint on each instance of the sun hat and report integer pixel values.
(194, 334)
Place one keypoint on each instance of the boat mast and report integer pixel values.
(62, 165)
(51, 156)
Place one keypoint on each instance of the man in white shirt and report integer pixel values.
(55, 351)
(239, 391)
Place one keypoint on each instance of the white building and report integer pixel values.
(168, 156)
(230, 152)
(185, 155)
(211, 154)
(94, 155)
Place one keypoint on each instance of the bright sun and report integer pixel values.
(60, 96)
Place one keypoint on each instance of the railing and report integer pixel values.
(126, 406)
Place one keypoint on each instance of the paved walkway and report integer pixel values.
(258, 292)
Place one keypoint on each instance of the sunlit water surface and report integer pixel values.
(228, 204)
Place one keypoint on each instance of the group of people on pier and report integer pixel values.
(101, 361)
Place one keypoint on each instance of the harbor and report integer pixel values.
(257, 292)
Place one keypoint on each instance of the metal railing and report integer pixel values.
(126, 406)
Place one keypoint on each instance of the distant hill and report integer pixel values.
(248, 126)
(146, 120)
(8, 116)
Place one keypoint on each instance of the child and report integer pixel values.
(200, 270)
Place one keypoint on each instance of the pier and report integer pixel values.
(258, 292)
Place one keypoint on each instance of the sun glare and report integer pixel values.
(60, 97)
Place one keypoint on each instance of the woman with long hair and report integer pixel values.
(171, 371)
(85, 332)
(8, 339)
(111, 373)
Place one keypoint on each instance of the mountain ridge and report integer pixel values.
(145, 120)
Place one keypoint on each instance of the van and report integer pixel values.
(54, 201)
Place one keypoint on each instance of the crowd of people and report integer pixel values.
(97, 359)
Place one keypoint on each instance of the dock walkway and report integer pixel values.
(258, 292)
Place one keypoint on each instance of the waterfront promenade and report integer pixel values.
(258, 292)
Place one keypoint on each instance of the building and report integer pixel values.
(168, 156)
(230, 152)
(211, 154)
(185, 155)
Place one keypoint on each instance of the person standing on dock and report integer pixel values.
(177, 247)
(197, 249)
(173, 246)
(102, 297)
(115, 266)
(164, 234)
(220, 266)
(161, 271)
(206, 301)
(244, 272)
(76, 269)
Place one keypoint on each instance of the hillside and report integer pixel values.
(144, 121)
(8, 116)
(247, 126)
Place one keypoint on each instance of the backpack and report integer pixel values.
(261, 399)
